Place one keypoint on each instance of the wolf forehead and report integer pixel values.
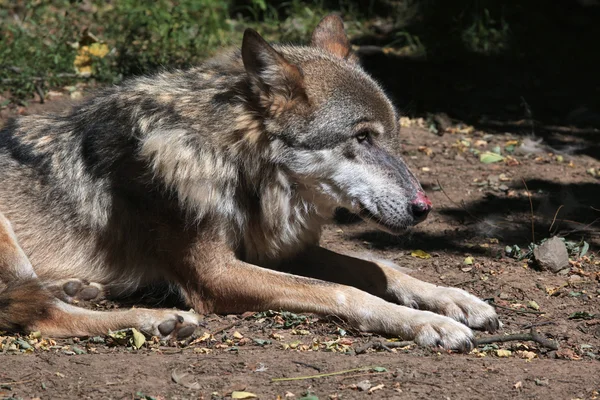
(343, 99)
(332, 82)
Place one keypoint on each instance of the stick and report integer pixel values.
(533, 336)
(378, 344)
(532, 215)
(517, 311)
(298, 378)
(535, 325)
(554, 219)
(16, 382)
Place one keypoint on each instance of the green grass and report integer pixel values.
(42, 40)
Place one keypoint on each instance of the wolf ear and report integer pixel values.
(330, 35)
(268, 69)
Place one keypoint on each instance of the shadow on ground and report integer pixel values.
(571, 211)
(544, 80)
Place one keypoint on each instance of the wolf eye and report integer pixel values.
(362, 136)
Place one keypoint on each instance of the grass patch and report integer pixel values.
(49, 44)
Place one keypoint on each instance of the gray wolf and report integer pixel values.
(217, 180)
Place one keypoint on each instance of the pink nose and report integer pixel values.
(421, 206)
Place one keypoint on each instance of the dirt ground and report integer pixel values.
(479, 210)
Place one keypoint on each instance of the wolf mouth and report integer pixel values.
(371, 218)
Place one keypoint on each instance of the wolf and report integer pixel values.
(216, 181)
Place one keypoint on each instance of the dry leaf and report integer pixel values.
(138, 338)
(237, 335)
(375, 388)
(420, 254)
(503, 353)
(243, 395)
(518, 385)
(184, 379)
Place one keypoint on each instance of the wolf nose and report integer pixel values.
(421, 206)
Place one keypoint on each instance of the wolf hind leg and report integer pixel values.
(26, 304)
(14, 264)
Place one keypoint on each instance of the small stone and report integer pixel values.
(542, 382)
(552, 255)
(363, 386)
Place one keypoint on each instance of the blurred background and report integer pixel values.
(488, 62)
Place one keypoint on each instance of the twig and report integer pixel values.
(517, 311)
(298, 378)
(226, 328)
(307, 365)
(16, 382)
(533, 336)
(554, 219)
(365, 374)
(532, 215)
(379, 345)
(536, 324)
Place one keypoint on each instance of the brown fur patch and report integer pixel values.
(22, 304)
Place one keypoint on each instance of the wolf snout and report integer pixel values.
(420, 206)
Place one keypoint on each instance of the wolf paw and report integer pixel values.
(463, 307)
(439, 331)
(72, 290)
(171, 324)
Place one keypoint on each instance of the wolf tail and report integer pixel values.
(24, 303)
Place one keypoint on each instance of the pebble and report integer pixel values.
(363, 386)
(552, 255)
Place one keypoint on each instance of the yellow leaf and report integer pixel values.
(237, 335)
(243, 395)
(99, 50)
(503, 353)
(420, 254)
(83, 60)
(138, 338)
(468, 261)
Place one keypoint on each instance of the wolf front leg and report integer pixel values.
(386, 280)
(232, 286)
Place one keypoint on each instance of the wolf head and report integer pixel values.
(332, 128)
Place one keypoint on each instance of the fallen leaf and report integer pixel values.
(375, 388)
(309, 397)
(243, 395)
(532, 304)
(468, 261)
(237, 335)
(426, 150)
(488, 157)
(420, 254)
(503, 353)
(528, 355)
(185, 379)
(138, 338)
(518, 385)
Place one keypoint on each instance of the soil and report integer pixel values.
(479, 210)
